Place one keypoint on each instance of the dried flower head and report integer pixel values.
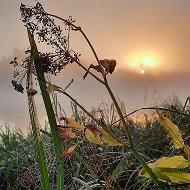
(41, 24)
(17, 86)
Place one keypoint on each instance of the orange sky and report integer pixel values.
(118, 30)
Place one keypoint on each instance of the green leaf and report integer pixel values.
(49, 111)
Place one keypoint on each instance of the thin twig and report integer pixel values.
(152, 108)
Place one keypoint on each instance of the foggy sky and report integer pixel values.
(117, 29)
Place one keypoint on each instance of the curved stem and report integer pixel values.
(135, 152)
(120, 113)
(153, 108)
(89, 43)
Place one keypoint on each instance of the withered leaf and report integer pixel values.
(98, 68)
(66, 135)
(68, 151)
(109, 65)
(96, 135)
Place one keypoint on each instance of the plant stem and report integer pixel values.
(50, 112)
(120, 113)
(146, 167)
(153, 108)
(36, 132)
(135, 152)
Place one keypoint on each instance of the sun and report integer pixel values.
(142, 71)
(143, 62)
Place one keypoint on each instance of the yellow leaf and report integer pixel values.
(73, 124)
(167, 169)
(157, 172)
(173, 162)
(93, 137)
(172, 131)
(186, 149)
(162, 176)
(107, 138)
(175, 175)
(94, 134)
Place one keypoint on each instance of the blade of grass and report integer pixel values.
(117, 171)
(36, 132)
(85, 164)
(50, 112)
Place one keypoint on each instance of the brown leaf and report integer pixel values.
(98, 68)
(109, 65)
(66, 135)
(68, 151)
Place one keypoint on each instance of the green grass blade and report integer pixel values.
(118, 170)
(36, 132)
(50, 112)
(85, 164)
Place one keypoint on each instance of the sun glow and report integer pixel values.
(143, 62)
(142, 71)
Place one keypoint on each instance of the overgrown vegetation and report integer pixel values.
(97, 149)
(96, 165)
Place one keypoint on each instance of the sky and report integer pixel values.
(149, 39)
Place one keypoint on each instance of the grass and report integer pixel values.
(15, 154)
(105, 168)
